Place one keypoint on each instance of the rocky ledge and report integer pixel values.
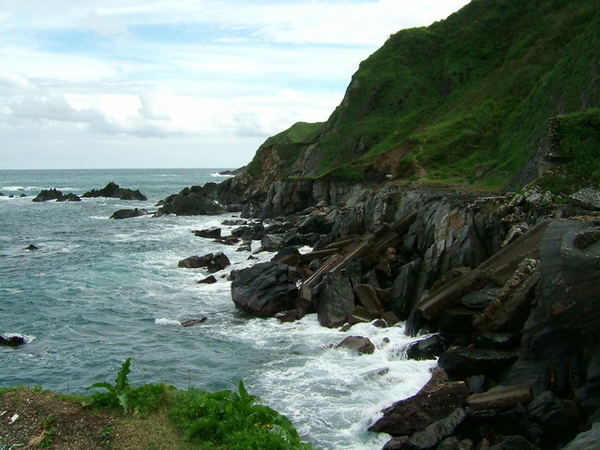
(504, 290)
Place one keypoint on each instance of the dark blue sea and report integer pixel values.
(98, 291)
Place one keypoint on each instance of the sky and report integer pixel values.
(179, 83)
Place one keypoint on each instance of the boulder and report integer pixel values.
(218, 262)
(12, 341)
(361, 344)
(271, 242)
(434, 433)
(113, 190)
(31, 247)
(265, 289)
(462, 362)
(129, 213)
(194, 201)
(194, 262)
(436, 400)
(587, 440)
(428, 348)
(208, 280)
(210, 233)
(336, 300)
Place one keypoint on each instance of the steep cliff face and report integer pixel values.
(467, 99)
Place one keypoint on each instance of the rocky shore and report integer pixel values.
(504, 290)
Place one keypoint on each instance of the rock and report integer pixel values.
(514, 443)
(208, 280)
(587, 440)
(560, 421)
(361, 344)
(194, 262)
(481, 299)
(587, 237)
(265, 289)
(192, 322)
(587, 198)
(436, 400)
(271, 242)
(210, 233)
(500, 397)
(456, 322)
(192, 201)
(461, 362)
(404, 289)
(70, 197)
(287, 255)
(12, 341)
(429, 437)
(498, 341)
(129, 213)
(31, 247)
(387, 319)
(113, 190)
(428, 348)
(218, 262)
(47, 195)
(336, 301)
(367, 296)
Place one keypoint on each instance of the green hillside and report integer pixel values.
(465, 99)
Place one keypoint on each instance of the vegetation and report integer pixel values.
(233, 420)
(466, 99)
(197, 418)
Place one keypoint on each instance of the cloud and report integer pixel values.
(105, 26)
(151, 108)
(53, 108)
(12, 83)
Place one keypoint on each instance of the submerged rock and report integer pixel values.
(129, 213)
(12, 341)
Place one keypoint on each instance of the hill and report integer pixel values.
(478, 98)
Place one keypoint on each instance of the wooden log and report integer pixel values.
(308, 257)
(501, 397)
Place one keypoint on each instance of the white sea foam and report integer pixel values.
(165, 321)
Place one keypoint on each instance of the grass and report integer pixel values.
(475, 90)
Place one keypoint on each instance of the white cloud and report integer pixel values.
(160, 75)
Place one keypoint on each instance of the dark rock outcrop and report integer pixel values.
(193, 201)
(212, 261)
(129, 213)
(113, 190)
(360, 344)
(54, 194)
(265, 289)
(12, 341)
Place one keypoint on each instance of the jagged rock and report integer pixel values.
(265, 289)
(461, 362)
(271, 242)
(128, 213)
(428, 348)
(500, 397)
(429, 437)
(367, 296)
(336, 301)
(31, 247)
(12, 341)
(210, 233)
(387, 319)
(481, 299)
(47, 195)
(194, 262)
(565, 317)
(192, 201)
(218, 262)
(560, 420)
(70, 197)
(456, 321)
(498, 341)
(404, 289)
(361, 344)
(436, 400)
(113, 190)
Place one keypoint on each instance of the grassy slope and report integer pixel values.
(465, 98)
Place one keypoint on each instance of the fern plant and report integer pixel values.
(117, 394)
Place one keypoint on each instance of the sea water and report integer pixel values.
(98, 291)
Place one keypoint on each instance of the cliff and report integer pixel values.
(475, 99)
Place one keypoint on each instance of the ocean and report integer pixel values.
(98, 291)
